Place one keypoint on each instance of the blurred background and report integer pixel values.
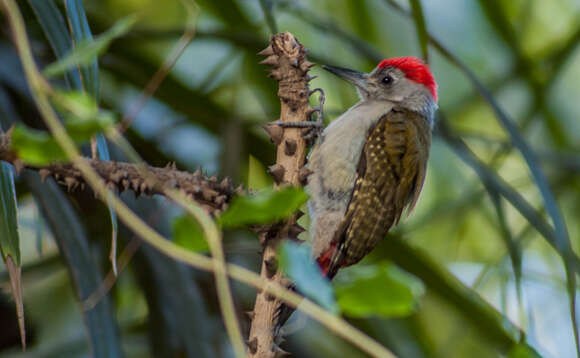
(473, 249)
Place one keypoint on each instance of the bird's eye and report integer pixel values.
(387, 79)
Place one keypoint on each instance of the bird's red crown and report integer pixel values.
(415, 70)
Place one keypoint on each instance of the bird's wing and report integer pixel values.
(390, 175)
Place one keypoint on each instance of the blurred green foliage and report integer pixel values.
(487, 246)
(263, 207)
(188, 233)
(382, 290)
(87, 51)
(296, 262)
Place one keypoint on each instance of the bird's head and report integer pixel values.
(405, 81)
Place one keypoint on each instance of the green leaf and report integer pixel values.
(81, 32)
(69, 233)
(83, 118)
(522, 350)
(420, 27)
(79, 103)
(56, 31)
(162, 281)
(297, 263)
(38, 148)
(266, 206)
(81, 130)
(257, 177)
(188, 234)
(35, 147)
(378, 290)
(88, 50)
(9, 240)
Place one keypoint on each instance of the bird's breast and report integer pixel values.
(335, 157)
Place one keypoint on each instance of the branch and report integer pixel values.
(211, 194)
(288, 57)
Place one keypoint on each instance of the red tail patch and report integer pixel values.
(325, 259)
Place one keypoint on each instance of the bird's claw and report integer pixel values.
(312, 128)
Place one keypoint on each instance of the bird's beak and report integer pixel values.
(359, 79)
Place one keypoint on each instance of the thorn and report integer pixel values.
(18, 166)
(275, 132)
(271, 266)
(251, 315)
(253, 345)
(226, 183)
(116, 176)
(310, 78)
(280, 352)
(295, 230)
(306, 65)
(135, 184)
(125, 183)
(208, 194)
(268, 51)
(197, 172)
(43, 174)
(213, 178)
(70, 183)
(290, 147)
(303, 175)
(276, 74)
(270, 60)
(277, 172)
(263, 237)
(219, 200)
(299, 214)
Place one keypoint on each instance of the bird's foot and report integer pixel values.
(312, 128)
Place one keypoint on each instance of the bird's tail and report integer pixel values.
(283, 313)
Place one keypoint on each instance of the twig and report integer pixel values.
(157, 78)
(90, 302)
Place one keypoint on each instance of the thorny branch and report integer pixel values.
(210, 193)
(288, 57)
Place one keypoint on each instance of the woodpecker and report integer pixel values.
(369, 164)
